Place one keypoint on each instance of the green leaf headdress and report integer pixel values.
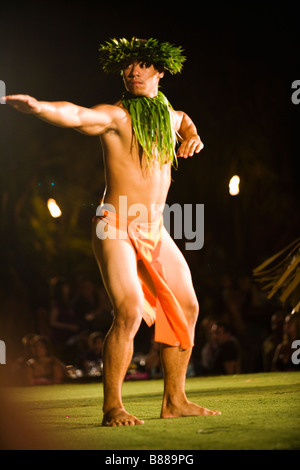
(116, 52)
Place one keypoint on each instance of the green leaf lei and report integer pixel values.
(151, 124)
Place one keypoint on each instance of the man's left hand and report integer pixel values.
(190, 146)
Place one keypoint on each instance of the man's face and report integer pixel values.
(141, 78)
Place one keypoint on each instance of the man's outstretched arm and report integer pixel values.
(90, 121)
(190, 140)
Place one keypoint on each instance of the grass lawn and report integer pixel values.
(259, 411)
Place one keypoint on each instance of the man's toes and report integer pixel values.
(138, 421)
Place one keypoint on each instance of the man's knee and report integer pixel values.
(128, 314)
(192, 311)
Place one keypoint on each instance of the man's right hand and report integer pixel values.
(23, 103)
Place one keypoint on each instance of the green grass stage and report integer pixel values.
(259, 411)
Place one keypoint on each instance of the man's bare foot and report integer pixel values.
(186, 409)
(120, 417)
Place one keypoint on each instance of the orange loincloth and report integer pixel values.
(163, 309)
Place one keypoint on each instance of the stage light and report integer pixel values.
(53, 208)
(234, 185)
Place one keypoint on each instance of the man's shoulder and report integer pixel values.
(115, 115)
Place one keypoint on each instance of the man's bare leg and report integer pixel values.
(175, 360)
(117, 263)
(175, 403)
(118, 351)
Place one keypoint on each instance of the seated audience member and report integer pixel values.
(210, 348)
(153, 362)
(43, 367)
(92, 360)
(18, 371)
(271, 342)
(226, 360)
(282, 360)
(63, 320)
(86, 304)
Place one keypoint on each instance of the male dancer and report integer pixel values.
(132, 270)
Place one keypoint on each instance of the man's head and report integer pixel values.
(116, 53)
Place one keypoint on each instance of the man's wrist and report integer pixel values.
(195, 136)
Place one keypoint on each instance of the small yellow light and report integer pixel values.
(234, 185)
(53, 208)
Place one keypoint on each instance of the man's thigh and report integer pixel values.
(177, 272)
(117, 262)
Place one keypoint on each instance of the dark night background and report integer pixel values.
(242, 58)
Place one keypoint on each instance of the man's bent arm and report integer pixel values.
(191, 142)
(64, 114)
